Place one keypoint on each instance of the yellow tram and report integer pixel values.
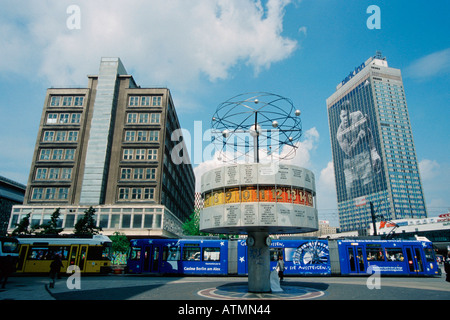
(91, 255)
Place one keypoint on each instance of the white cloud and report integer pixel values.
(429, 169)
(155, 39)
(434, 64)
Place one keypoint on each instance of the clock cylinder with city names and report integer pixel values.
(274, 198)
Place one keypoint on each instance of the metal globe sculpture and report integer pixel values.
(270, 120)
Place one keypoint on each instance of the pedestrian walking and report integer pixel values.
(447, 268)
(280, 267)
(55, 269)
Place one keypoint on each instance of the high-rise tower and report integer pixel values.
(373, 150)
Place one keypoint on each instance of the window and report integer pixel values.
(148, 221)
(136, 193)
(134, 101)
(124, 193)
(153, 135)
(54, 101)
(67, 101)
(135, 253)
(149, 193)
(152, 154)
(211, 254)
(374, 253)
(137, 221)
(52, 118)
(126, 173)
(126, 220)
(140, 154)
(191, 253)
(41, 173)
(171, 253)
(48, 253)
(155, 118)
(150, 174)
(45, 154)
(394, 254)
(37, 193)
(145, 101)
(115, 218)
(104, 219)
(275, 253)
(48, 136)
(156, 101)
(128, 154)
(78, 101)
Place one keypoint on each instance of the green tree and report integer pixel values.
(192, 226)
(22, 226)
(86, 225)
(52, 226)
(120, 242)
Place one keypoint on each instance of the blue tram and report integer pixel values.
(178, 256)
(392, 257)
(301, 257)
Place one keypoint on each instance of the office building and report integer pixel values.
(109, 146)
(11, 193)
(374, 157)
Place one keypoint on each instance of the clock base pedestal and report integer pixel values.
(259, 263)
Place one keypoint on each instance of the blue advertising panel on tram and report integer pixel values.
(178, 256)
(305, 257)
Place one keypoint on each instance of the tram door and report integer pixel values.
(356, 261)
(151, 258)
(415, 259)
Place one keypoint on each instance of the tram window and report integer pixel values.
(98, 253)
(211, 254)
(171, 253)
(429, 255)
(48, 253)
(135, 253)
(191, 254)
(275, 253)
(374, 253)
(10, 247)
(394, 254)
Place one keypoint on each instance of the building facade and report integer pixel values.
(11, 193)
(109, 146)
(374, 157)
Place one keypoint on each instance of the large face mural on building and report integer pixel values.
(356, 146)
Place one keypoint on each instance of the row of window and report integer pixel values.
(144, 101)
(57, 174)
(105, 221)
(142, 136)
(63, 118)
(175, 253)
(56, 154)
(50, 193)
(60, 136)
(66, 101)
(143, 118)
(78, 101)
(137, 193)
(61, 193)
(138, 173)
(140, 154)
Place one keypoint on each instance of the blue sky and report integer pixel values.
(207, 51)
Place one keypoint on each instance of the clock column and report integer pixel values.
(258, 262)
